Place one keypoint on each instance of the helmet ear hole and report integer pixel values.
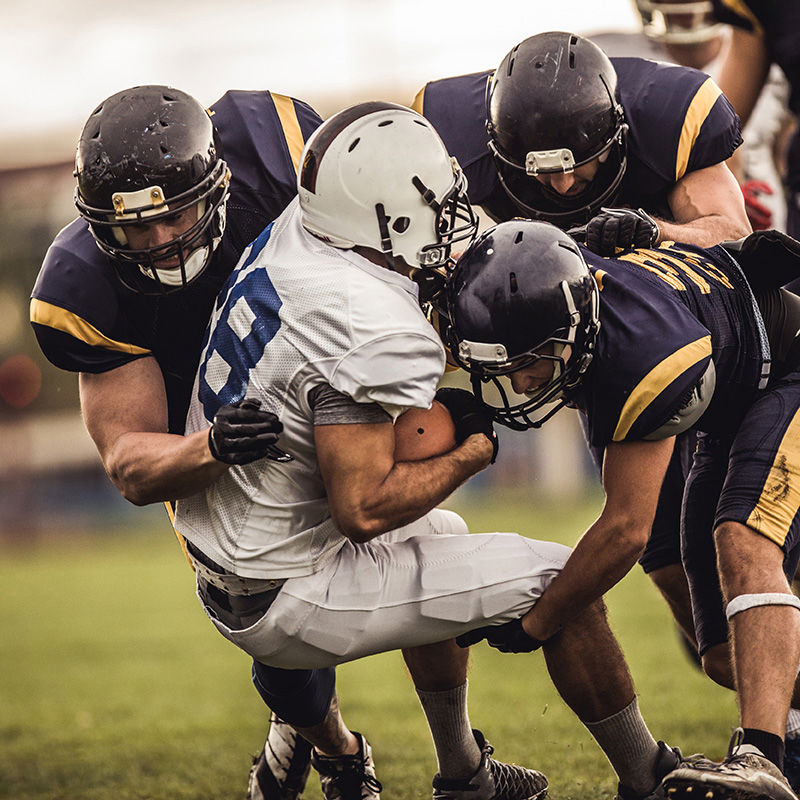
(400, 225)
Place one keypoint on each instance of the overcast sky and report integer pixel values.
(60, 59)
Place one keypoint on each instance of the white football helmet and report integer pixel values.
(679, 21)
(378, 175)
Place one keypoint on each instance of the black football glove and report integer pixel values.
(242, 433)
(469, 414)
(620, 228)
(507, 638)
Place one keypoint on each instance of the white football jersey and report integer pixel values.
(297, 313)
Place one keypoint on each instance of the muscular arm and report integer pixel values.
(125, 412)
(744, 72)
(632, 477)
(708, 208)
(370, 494)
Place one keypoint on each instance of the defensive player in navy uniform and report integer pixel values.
(561, 132)
(648, 345)
(169, 196)
(764, 33)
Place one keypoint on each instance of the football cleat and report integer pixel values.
(280, 770)
(669, 759)
(348, 777)
(744, 774)
(493, 780)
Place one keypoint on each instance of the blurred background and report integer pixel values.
(60, 60)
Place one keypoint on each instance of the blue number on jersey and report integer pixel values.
(239, 346)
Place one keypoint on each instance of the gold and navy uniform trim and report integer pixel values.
(657, 380)
(697, 113)
(287, 114)
(52, 316)
(779, 502)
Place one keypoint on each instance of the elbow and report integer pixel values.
(132, 489)
(738, 230)
(358, 526)
(134, 494)
(631, 539)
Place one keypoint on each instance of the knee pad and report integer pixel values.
(744, 601)
(301, 697)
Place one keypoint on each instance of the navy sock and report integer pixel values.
(768, 743)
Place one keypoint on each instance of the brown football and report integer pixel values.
(423, 433)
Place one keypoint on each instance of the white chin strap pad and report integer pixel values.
(744, 601)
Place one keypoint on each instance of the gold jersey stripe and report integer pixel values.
(657, 380)
(62, 320)
(181, 540)
(419, 101)
(291, 127)
(740, 7)
(699, 108)
(780, 498)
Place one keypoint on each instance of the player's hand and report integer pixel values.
(507, 638)
(759, 215)
(620, 229)
(470, 415)
(242, 433)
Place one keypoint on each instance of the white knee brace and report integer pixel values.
(744, 601)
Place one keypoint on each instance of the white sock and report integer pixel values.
(629, 746)
(457, 751)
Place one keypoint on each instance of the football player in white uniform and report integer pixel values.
(340, 552)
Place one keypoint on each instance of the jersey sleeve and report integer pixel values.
(397, 371)
(74, 307)
(456, 107)
(263, 134)
(651, 356)
(679, 120)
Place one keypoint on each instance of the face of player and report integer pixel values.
(572, 183)
(161, 232)
(528, 379)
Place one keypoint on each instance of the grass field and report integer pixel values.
(114, 686)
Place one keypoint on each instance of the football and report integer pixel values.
(423, 433)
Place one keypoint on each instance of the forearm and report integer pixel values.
(602, 557)
(411, 489)
(705, 231)
(158, 467)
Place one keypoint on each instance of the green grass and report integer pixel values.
(113, 685)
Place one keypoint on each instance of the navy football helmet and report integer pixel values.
(522, 293)
(146, 155)
(552, 107)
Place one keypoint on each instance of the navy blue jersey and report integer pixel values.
(778, 21)
(86, 320)
(678, 119)
(664, 314)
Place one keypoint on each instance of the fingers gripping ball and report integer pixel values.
(470, 415)
(242, 432)
(424, 433)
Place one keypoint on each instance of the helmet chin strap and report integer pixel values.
(192, 267)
